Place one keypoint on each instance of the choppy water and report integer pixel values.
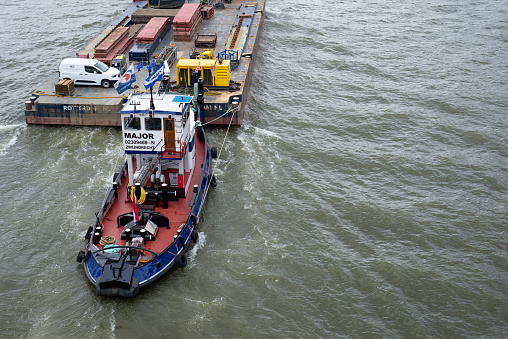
(365, 196)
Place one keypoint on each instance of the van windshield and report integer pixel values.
(102, 66)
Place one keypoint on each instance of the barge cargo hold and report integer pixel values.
(236, 28)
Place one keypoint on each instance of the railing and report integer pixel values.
(177, 150)
(229, 54)
(111, 195)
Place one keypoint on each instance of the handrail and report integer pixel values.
(108, 198)
(154, 147)
(176, 147)
(133, 247)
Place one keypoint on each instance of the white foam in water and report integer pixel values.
(8, 127)
(12, 140)
(266, 133)
(112, 320)
(199, 245)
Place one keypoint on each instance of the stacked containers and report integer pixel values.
(152, 30)
(186, 22)
(116, 42)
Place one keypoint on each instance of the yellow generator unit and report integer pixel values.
(214, 73)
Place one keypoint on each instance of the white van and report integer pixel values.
(88, 72)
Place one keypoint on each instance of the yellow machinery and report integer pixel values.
(214, 72)
(206, 54)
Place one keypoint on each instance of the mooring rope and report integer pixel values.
(233, 110)
(227, 112)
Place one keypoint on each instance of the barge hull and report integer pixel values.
(250, 73)
(96, 106)
(97, 118)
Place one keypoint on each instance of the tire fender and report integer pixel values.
(181, 260)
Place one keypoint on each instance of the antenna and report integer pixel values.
(152, 105)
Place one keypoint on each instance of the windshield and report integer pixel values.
(102, 66)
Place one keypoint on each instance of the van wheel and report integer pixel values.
(105, 83)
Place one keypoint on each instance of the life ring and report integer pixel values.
(142, 197)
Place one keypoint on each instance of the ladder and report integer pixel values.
(237, 31)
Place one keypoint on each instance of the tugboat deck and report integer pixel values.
(179, 211)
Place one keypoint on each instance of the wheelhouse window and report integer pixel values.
(132, 123)
(153, 124)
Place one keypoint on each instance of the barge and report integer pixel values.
(224, 38)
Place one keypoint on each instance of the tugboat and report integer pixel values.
(149, 216)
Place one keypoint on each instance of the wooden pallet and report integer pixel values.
(64, 87)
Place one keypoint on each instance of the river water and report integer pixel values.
(364, 197)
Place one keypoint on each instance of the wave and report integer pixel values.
(14, 138)
(194, 250)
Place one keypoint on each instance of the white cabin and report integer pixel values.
(161, 137)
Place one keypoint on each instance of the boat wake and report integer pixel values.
(13, 137)
(199, 245)
(266, 133)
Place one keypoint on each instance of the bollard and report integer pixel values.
(165, 196)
